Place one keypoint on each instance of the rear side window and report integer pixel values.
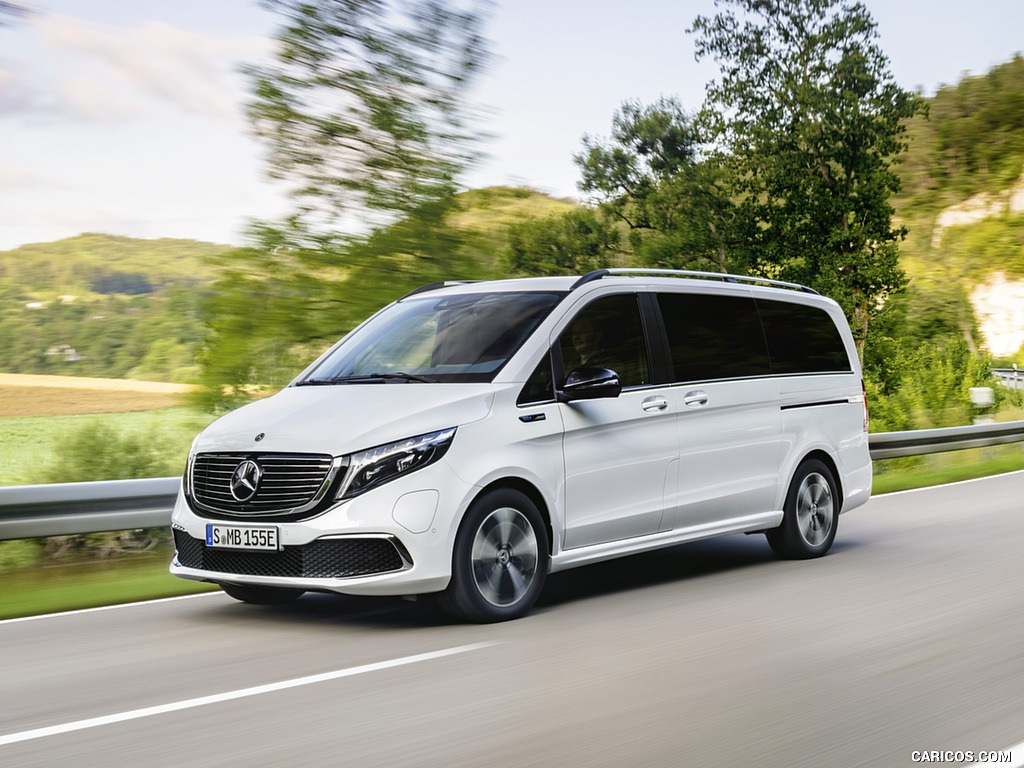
(713, 336)
(802, 338)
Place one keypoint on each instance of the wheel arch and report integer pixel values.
(529, 490)
(826, 459)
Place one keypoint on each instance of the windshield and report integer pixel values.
(464, 338)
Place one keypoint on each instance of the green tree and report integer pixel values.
(651, 176)
(574, 242)
(810, 120)
(365, 103)
(123, 455)
(366, 116)
(978, 129)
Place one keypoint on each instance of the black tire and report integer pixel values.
(260, 595)
(811, 514)
(500, 560)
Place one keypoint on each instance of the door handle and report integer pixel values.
(695, 399)
(654, 404)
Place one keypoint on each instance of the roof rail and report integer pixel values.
(436, 286)
(597, 274)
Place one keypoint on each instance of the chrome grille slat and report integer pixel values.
(289, 484)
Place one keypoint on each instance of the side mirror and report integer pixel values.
(590, 384)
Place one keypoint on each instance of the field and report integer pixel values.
(32, 395)
(39, 413)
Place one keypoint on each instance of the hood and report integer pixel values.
(345, 418)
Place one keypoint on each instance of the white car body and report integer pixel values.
(661, 463)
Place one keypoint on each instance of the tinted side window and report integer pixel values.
(713, 337)
(608, 333)
(802, 339)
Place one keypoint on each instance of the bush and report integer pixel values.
(929, 386)
(98, 451)
(19, 554)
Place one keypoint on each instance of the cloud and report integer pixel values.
(105, 70)
(24, 177)
(16, 93)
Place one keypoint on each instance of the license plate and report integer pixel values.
(242, 537)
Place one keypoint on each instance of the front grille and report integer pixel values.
(322, 559)
(288, 483)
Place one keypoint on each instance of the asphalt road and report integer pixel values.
(906, 638)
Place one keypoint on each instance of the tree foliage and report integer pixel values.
(574, 242)
(364, 104)
(810, 121)
(972, 141)
(365, 113)
(927, 386)
(651, 176)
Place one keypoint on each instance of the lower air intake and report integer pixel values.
(323, 559)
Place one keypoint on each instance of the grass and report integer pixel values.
(38, 413)
(55, 588)
(943, 468)
(27, 443)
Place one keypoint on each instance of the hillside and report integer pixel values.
(118, 307)
(963, 205)
(100, 305)
(95, 264)
(487, 214)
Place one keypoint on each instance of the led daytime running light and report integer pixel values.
(376, 466)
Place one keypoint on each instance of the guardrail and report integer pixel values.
(1009, 377)
(891, 445)
(29, 511)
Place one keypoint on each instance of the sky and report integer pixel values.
(128, 117)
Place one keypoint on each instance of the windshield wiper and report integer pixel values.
(369, 378)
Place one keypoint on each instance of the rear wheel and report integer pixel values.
(260, 595)
(811, 514)
(500, 560)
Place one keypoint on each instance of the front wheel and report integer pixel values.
(260, 595)
(500, 560)
(811, 514)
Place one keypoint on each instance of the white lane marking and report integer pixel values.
(1016, 757)
(135, 714)
(109, 607)
(947, 485)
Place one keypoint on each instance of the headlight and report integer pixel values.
(376, 466)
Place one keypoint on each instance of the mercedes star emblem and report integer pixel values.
(245, 479)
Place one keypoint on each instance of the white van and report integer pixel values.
(471, 438)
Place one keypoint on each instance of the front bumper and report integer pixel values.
(393, 540)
